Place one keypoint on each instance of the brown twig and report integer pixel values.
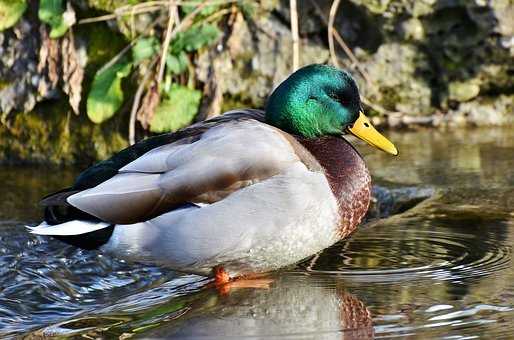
(218, 14)
(132, 10)
(147, 7)
(331, 20)
(355, 62)
(137, 99)
(352, 57)
(167, 39)
(127, 48)
(294, 32)
(380, 109)
(188, 20)
(333, 33)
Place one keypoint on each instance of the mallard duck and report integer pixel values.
(246, 192)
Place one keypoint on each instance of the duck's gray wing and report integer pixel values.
(225, 156)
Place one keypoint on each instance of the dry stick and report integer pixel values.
(126, 48)
(343, 45)
(218, 14)
(137, 99)
(188, 20)
(185, 23)
(117, 56)
(150, 6)
(133, 22)
(352, 57)
(176, 15)
(333, 33)
(129, 11)
(294, 32)
(376, 107)
(331, 20)
(166, 43)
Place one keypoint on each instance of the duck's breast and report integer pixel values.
(348, 176)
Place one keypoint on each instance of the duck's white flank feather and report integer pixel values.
(262, 227)
(75, 227)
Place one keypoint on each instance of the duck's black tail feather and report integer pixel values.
(71, 225)
(88, 241)
(58, 210)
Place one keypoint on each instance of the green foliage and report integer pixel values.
(195, 38)
(106, 95)
(179, 104)
(177, 64)
(248, 8)
(144, 49)
(52, 13)
(206, 11)
(10, 12)
(177, 111)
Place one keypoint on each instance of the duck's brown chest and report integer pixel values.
(348, 177)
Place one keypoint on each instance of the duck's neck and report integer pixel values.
(348, 177)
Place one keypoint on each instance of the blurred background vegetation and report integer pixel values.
(81, 79)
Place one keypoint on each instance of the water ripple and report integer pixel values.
(420, 254)
(43, 281)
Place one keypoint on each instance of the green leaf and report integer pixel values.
(52, 13)
(248, 8)
(106, 95)
(195, 38)
(206, 11)
(177, 111)
(10, 12)
(144, 49)
(177, 64)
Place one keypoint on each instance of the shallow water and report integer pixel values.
(441, 268)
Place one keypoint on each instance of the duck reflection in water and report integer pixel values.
(295, 306)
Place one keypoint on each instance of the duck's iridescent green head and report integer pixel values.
(319, 100)
(314, 101)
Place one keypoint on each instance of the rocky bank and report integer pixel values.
(424, 62)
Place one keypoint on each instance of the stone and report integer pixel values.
(396, 84)
(485, 111)
(464, 91)
(254, 62)
(390, 201)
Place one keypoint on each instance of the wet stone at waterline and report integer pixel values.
(441, 265)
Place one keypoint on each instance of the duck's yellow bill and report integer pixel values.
(363, 129)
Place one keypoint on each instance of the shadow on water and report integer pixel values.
(440, 268)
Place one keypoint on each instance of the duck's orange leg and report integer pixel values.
(224, 283)
(221, 277)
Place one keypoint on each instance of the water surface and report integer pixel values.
(441, 268)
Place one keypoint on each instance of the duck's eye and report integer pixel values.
(338, 99)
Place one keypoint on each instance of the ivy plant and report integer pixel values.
(177, 110)
(52, 13)
(179, 104)
(10, 12)
(106, 94)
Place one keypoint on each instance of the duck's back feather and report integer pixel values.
(202, 163)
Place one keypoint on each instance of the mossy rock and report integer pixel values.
(398, 84)
(463, 91)
(48, 135)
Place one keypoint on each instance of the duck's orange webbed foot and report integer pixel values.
(221, 277)
(224, 283)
